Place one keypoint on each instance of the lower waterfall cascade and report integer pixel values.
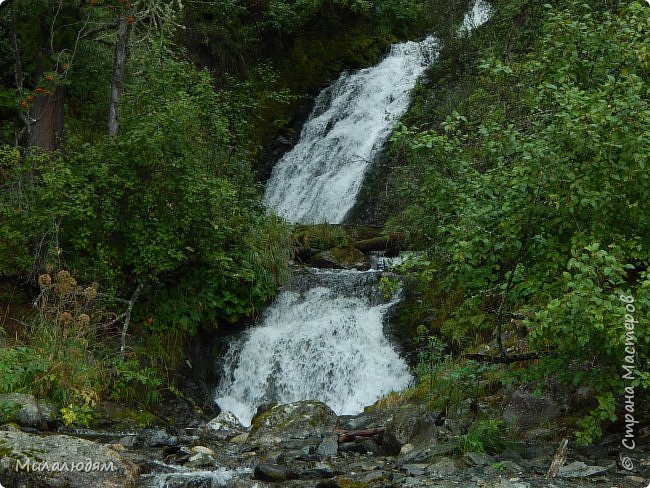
(322, 339)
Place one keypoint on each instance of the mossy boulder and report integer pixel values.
(61, 460)
(298, 420)
(346, 257)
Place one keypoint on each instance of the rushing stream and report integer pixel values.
(322, 338)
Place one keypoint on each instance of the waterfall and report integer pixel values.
(479, 15)
(321, 339)
(318, 180)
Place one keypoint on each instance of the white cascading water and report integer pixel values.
(476, 17)
(318, 180)
(322, 338)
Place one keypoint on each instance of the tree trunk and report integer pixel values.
(117, 80)
(46, 120)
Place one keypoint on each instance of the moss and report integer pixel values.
(348, 255)
(5, 451)
(348, 483)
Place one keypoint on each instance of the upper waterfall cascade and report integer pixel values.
(318, 180)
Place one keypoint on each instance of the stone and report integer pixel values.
(240, 439)
(318, 471)
(525, 411)
(155, 438)
(443, 467)
(369, 446)
(373, 476)
(63, 455)
(328, 483)
(578, 469)
(329, 446)
(406, 448)
(270, 472)
(346, 257)
(415, 469)
(223, 427)
(409, 425)
(201, 456)
(511, 466)
(511, 483)
(428, 453)
(127, 441)
(28, 411)
(298, 420)
(177, 454)
(509, 454)
(479, 459)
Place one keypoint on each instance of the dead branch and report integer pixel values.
(127, 318)
(558, 460)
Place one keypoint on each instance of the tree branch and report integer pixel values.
(127, 318)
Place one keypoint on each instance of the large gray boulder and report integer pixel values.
(33, 461)
(410, 425)
(28, 411)
(298, 420)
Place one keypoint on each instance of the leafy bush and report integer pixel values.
(539, 158)
(134, 384)
(587, 332)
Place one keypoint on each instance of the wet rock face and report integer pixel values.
(86, 463)
(297, 420)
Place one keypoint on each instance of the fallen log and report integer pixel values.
(359, 435)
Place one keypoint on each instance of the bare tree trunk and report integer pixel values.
(117, 80)
(46, 124)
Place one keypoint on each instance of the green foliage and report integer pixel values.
(587, 330)
(531, 161)
(487, 436)
(8, 410)
(388, 285)
(78, 415)
(20, 368)
(134, 384)
(320, 236)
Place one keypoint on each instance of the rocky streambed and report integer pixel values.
(302, 444)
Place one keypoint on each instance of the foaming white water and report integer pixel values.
(324, 344)
(180, 476)
(318, 180)
(476, 17)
